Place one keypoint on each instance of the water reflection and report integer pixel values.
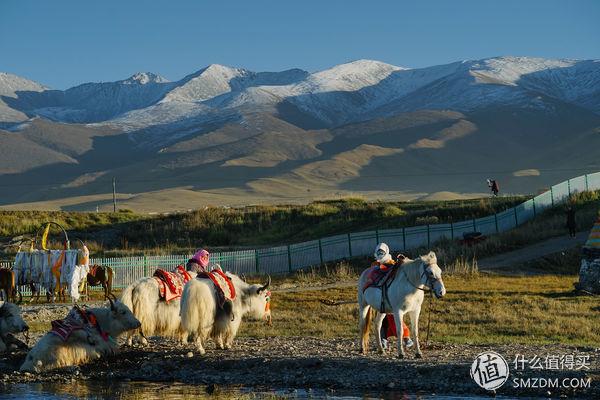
(177, 391)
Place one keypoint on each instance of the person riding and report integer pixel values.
(199, 261)
(384, 261)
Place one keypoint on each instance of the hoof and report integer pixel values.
(401, 356)
(419, 355)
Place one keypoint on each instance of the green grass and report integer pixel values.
(128, 233)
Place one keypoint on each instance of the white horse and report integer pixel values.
(404, 295)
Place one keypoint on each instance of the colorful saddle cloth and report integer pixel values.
(223, 284)
(379, 274)
(170, 284)
(79, 318)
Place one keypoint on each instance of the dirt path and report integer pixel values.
(537, 250)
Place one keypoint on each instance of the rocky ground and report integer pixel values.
(322, 364)
(305, 363)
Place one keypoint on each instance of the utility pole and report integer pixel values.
(114, 194)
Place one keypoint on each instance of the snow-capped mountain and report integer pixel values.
(357, 91)
(233, 133)
(10, 86)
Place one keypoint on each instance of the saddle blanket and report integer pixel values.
(377, 276)
(170, 284)
(93, 270)
(225, 288)
(77, 319)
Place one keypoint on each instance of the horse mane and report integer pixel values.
(412, 267)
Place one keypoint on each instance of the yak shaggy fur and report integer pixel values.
(82, 346)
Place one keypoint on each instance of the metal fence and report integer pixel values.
(282, 259)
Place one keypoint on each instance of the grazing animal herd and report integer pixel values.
(202, 307)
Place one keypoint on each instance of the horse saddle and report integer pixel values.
(223, 285)
(170, 284)
(379, 275)
(93, 270)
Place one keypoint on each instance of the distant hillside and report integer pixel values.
(231, 136)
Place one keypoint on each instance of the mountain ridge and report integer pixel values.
(224, 134)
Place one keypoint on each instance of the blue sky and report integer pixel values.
(65, 43)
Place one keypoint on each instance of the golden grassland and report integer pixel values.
(478, 309)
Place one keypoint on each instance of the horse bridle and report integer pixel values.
(428, 283)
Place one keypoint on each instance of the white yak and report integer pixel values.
(157, 316)
(93, 339)
(202, 318)
(10, 322)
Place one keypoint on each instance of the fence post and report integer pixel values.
(516, 218)
(474, 225)
(377, 235)
(145, 266)
(256, 261)
(552, 195)
(349, 246)
(428, 236)
(569, 186)
(534, 212)
(404, 238)
(451, 230)
(496, 221)
(289, 258)
(320, 251)
(587, 188)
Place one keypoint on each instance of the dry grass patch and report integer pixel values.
(478, 309)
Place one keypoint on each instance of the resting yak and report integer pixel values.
(85, 335)
(201, 316)
(10, 322)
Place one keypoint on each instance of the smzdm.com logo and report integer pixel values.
(489, 370)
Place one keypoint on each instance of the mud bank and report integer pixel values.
(325, 364)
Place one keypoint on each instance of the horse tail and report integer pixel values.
(13, 287)
(369, 320)
(365, 328)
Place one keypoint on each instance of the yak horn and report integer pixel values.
(266, 285)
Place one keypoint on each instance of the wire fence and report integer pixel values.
(284, 259)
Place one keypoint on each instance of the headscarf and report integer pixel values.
(382, 253)
(201, 258)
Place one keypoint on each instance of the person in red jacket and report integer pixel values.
(384, 260)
